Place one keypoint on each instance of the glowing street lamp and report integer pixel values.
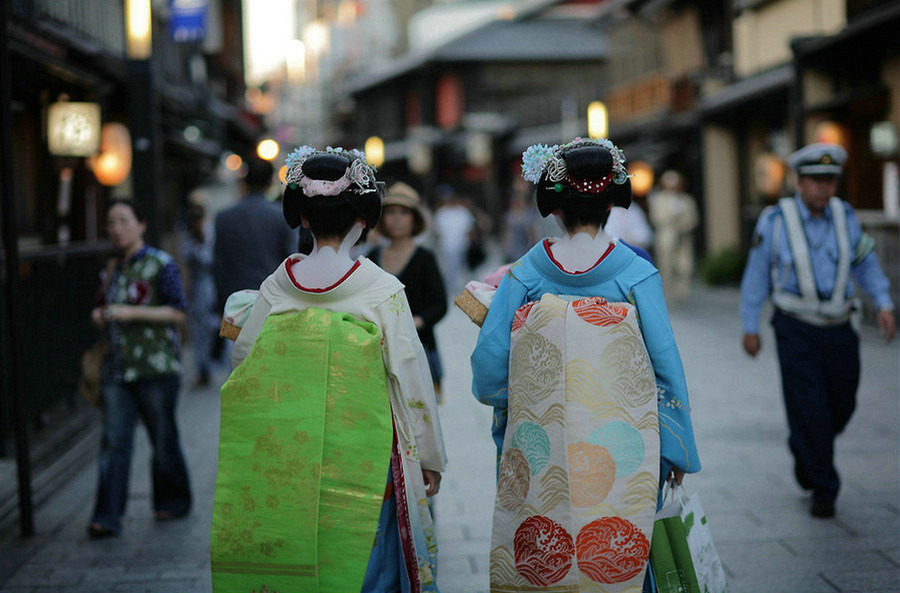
(598, 120)
(375, 151)
(138, 29)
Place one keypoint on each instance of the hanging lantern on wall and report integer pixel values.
(831, 132)
(73, 129)
(769, 174)
(374, 149)
(642, 178)
(112, 164)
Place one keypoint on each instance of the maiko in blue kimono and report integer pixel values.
(575, 344)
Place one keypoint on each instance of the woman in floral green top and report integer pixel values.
(140, 303)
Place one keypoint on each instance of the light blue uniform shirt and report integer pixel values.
(756, 285)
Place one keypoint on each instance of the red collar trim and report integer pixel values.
(559, 265)
(290, 261)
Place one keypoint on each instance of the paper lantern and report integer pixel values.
(642, 178)
(112, 164)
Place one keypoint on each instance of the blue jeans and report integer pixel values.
(154, 401)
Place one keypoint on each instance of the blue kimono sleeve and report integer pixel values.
(676, 434)
(490, 359)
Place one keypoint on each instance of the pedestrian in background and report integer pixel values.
(578, 359)
(454, 224)
(630, 225)
(251, 237)
(203, 319)
(140, 305)
(330, 441)
(804, 252)
(402, 220)
(519, 226)
(673, 214)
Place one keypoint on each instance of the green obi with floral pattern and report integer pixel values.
(304, 443)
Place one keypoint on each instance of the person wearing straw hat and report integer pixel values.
(804, 251)
(402, 221)
(330, 442)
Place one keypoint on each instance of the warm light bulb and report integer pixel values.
(642, 178)
(233, 162)
(598, 120)
(268, 149)
(375, 151)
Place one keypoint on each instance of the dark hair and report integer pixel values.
(583, 163)
(574, 214)
(195, 213)
(135, 208)
(259, 173)
(331, 216)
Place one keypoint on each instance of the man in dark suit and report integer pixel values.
(252, 237)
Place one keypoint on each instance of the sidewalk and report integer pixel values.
(758, 516)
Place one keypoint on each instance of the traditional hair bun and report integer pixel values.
(326, 166)
(336, 174)
(582, 171)
(588, 162)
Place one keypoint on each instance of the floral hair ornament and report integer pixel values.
(359, 174)
(540, 160)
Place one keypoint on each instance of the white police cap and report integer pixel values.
(821, 158)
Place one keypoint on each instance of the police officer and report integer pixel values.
(803, 253)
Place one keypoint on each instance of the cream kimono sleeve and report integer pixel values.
(413, 399)
(250, 330)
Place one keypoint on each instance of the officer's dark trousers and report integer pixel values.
(820, 375)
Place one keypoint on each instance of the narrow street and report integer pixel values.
(758, 515)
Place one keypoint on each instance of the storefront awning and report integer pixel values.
(749, 89)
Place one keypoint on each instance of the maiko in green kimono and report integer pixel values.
(329, 440)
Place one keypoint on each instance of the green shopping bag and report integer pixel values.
(682, 554)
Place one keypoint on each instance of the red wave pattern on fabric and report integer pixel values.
(612, 550)
(543, 550)
(522, 314)
(597, 311)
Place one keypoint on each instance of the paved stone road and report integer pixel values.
(757, 515)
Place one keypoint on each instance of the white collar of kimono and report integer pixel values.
(581, 251)
(324, 266)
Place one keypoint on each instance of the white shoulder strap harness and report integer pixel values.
(808, 306)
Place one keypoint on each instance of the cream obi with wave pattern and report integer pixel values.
(576, 494)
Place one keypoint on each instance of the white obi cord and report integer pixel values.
(325, 266)
(579, 252)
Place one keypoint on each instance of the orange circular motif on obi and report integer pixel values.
(597, 311)
(592, 473)
(522, 314)
(611, 550)
(543, 550)
(514, 480)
